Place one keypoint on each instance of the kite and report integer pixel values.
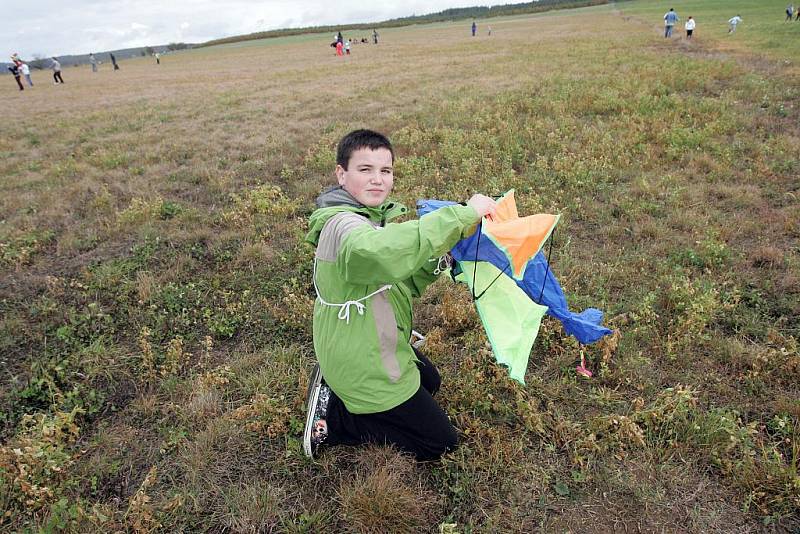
(512, 284)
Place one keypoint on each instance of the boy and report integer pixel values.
(376, 387)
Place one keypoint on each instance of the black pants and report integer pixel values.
(418, 426)
(21, 88)
(57, 77)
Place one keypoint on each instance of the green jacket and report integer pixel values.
(366, 273)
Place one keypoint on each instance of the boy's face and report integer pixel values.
(369, 176)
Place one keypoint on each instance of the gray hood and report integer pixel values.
(337, 196)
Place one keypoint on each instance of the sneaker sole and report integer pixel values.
(314, 381)
(312, 397)
(310, 422)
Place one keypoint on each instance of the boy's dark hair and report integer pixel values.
(360, 139)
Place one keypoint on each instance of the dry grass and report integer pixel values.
(155, 289)
(385, 492)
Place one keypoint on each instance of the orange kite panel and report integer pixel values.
(521, 237)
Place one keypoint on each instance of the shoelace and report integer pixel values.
(442, 264)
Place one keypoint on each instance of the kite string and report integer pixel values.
(475, 263)
(547, 270)
(475, 268)
(493, 281)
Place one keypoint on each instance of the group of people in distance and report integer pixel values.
(671, 18)
(19, 69)
(790, 10)
(342, 45)
(93, 61)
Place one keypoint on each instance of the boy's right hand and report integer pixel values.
(484, 205)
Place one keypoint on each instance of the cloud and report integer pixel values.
(137, 26)
(116, 32)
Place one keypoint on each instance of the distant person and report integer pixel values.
(56, 66)
(347, 47)
(158, 58)
(339, 38)
(733, 22)
(93, 61)
(26, 71)
(339, 47)
(114, 61)
(670, 18)
(789, 12)
(375, 35)
(490, 31)
(474, 28)
(689, 27)
(798, 14)
(15, 70)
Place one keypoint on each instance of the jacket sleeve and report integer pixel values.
(396, 252)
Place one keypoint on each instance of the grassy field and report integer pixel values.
(155, 296)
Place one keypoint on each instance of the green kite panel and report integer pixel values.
(509, 316)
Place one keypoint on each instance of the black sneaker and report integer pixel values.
(317, 397)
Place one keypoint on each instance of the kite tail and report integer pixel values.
(585, 326)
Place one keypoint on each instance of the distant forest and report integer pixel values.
(441, 16)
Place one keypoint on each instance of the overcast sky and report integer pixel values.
(56, 27)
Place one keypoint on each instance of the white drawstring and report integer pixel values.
(344, 309)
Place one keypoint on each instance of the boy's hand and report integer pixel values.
(484, 205)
